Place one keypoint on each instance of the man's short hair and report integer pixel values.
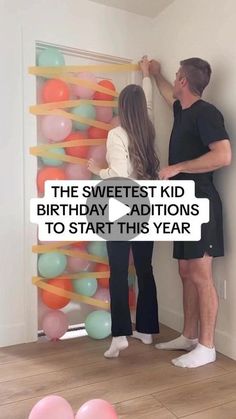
(197, 72)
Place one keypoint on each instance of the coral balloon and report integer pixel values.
(97, 133)
(55, 128)
(103, 282)
(55, 301)
(53, 407)
(55, 324)
(103, 113)
(80, 245)
(96, 409)
(98, 153)
(105, 96)
(132, 298)
(82, 91)
(79, 151)
(55, 91)
(77, 171)
(49, 173)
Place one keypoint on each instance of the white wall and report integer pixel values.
(206, 29)
(74, 23)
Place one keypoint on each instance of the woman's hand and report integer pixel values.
(93, 167)
(144, 66)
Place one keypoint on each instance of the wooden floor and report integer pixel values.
(141, 383)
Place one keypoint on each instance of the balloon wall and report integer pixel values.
(76, 109)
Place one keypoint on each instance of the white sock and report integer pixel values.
(180, 343)
(117, 344)
(144, 337)
(199, 356)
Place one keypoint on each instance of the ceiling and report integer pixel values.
(150, 8)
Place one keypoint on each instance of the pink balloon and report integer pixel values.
(96, 409)
(103, 113)
(55, 324)
(131, 259)
(98, 153)
(77, 171)
(56, 128)
(102, 294)
(85, 92)
(53, 407)
(42, 310)
(77, 264)
(115, 122)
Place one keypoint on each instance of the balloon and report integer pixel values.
(103, 295)
(103, 282)
(98, 249)
(77, 171)
(54, 162)
(131, 259)
(42, 309)
(53, 407)
(98, 153)
(51, 264)
(49, 173)
(98, 324)
(51, 57)
(115, 112)
(80, 245)
(77, 264)
(103, 113)
(104, 96)
(97, 133)
(55, 324)
(85, 286)
(55, 301)
(132, 298)
(55, 128)
(131, 280)
(80, 151)
(55, 91)
(85, 111)
(85, 92)
(115, 122)
(96, 409)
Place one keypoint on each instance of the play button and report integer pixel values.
(122, 200)
(117, 210)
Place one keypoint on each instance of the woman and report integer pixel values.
(131, 154)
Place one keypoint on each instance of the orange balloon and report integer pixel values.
(102, 282)
(132, 298)
(55, 301)
(97, 133)
(80, 245)
(55, 91)
(49, 173)
(80, 151)
(104, 96)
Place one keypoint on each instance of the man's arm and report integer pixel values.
(218, 156)
(165, 88)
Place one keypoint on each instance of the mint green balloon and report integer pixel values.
(51, 57)
(98, 249)
(86, 111)
(85, 286)
(98, 324)
(115, 112)
(51, 264)
(131, 280)
(53, 162)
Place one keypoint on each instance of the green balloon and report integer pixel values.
(53, 162)
(98, 249)
(86, 111)
(131, 280)
(85, 286)
(51, 264)
(98, 324)
(50, 57)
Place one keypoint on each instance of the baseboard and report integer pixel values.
(225, 344)
(14, 335)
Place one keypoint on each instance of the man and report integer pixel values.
(199, 144)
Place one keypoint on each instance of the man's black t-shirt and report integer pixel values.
(193, 130)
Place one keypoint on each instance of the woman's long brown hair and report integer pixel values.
(132, 107)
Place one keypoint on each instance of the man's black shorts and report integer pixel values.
(212, 240)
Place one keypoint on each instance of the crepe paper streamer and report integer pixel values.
(78, 118)
(68, 294)
(57, 156)
(102, 68)
(73, 103)
(68, 144)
